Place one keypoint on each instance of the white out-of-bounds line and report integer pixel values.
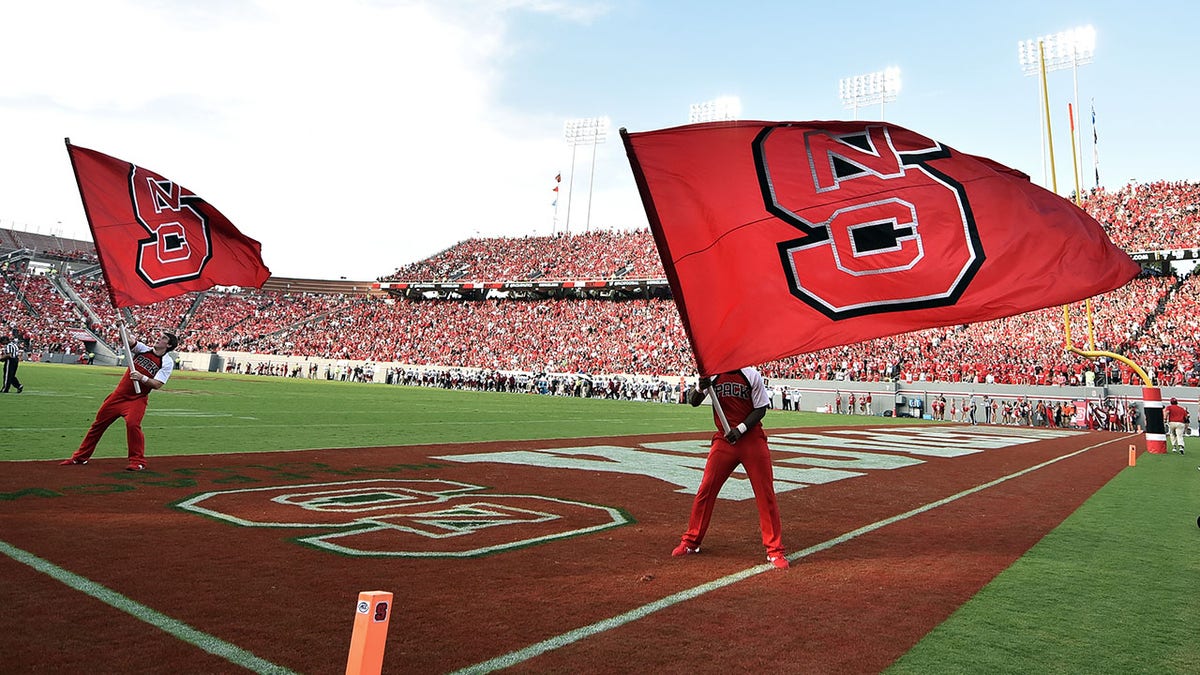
(209, 643)
(521, 655)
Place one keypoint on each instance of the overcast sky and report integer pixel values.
(352, 137)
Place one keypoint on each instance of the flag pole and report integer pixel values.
(103, 270)
(716, 404)
(1095, 143)
(128, 352)
(660, 242)
(557, 184)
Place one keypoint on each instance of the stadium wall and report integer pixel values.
(815, 395)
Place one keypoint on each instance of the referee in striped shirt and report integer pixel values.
(10, 351)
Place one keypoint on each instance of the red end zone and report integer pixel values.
(548, 555)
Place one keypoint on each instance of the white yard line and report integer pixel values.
(570, 637)
(209, 643)
(249, 661)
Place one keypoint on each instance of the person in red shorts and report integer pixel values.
(150, 370)
(743, 398)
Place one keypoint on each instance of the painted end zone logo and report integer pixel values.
(801, 459)
(443, 518)
(407, 518)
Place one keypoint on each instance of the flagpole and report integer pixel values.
(557, 184)
(716, 404)
(91, 226)
(1091, 352)
(587, 227)
(570, 189)
(103, 270)
(128, 352)
(1095, 142)
(1076, 154)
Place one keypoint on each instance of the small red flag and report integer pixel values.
(780, 238)
(155, 238)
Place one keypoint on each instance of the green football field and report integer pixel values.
(1112, 589)
(207, 413)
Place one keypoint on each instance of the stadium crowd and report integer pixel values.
(57, 321)
(645, 336)
(1023, 349)
(592, 255)
(1149, 216)
(1153, 320)
(1137, 217)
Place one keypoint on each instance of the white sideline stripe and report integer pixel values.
(209, 643)
(331, 425)
(570, 637)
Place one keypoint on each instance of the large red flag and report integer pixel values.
(780, 238)
(155, 238)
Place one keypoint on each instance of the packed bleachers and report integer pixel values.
(252, 318)
(1153, 320)
(1171, 343)
(1023, 349)
(644, 336)
(1137, 217)
(589, 336)
(592, 255)
(1149, 216)
(56, 322)
(217, 321)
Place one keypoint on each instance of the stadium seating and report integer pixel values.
(1149, 216)
(593, 255)
(1154, 319)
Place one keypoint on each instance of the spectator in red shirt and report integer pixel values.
(1177, 419)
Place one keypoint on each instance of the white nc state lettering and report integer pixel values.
(179, 244)
(881, 231)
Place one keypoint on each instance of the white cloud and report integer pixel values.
(348, 137)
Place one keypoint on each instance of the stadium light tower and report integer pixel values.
(880, 87)
(584, 131)
(720, 109)
(1065, 49)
